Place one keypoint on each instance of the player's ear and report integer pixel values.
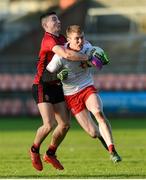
(44, 25)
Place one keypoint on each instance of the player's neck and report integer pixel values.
(53, 33)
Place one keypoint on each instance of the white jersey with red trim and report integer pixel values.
(79, 76)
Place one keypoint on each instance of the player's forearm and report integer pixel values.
(55, 64)
(70, 54)
(75, 56)
(50, 69)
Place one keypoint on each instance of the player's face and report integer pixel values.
(53, 24)
(76, 41)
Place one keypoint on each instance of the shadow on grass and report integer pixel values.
(28, 123)
(72, 176)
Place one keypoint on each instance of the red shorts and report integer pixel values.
(76, 102)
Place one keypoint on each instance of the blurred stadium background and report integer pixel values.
(118, 26)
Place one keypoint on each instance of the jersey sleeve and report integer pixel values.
(86, 46)
(50, 43)
(55, 64)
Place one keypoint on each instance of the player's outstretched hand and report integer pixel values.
(63, 74)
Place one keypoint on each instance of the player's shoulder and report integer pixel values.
(62, 36)
(48, 36)
(86, 46)
(62, 39)
(47, 39)
(87, 43)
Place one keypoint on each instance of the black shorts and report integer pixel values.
(47, 93)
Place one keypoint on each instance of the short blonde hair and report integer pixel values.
(73, 29)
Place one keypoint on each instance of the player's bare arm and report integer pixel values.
(69, 54)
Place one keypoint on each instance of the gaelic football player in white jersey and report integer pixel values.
(79, 91)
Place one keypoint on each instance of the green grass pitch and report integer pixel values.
(82, 156)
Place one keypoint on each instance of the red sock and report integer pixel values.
(111, 148)
(35, 148)
(51, 150)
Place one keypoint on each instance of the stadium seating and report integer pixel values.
(103, 81)
(17, 98)
(15, 82)
(31, 108)
(120, 82)
(11, 107)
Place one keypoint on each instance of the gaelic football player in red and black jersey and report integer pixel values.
(48, 94)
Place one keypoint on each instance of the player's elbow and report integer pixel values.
(67, 55)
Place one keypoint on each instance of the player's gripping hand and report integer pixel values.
(98, 53)
(63, 74)
(103, 57)
(94, 61)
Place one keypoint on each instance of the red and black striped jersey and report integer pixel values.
(46, 53)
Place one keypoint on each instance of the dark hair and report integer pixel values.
(46, 15)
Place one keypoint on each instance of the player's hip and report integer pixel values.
(76, 102)
(73, 88)
(47, 93)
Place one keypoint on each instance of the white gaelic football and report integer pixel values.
(94, 51)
